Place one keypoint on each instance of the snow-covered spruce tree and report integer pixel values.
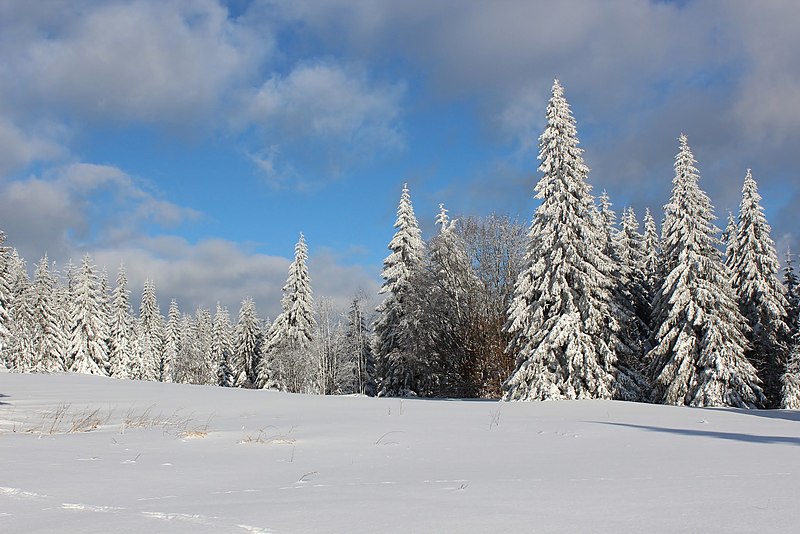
(87, 347)
(122, 357)
(196, 357)
(650, 264)
(762, 301)
(50, 335)
(563, 318)
(792, 286)
(172, 368)
(152, 333)
(222, 348)
(292, 331)
(698, 356)
(447, 293)
(399, 368)
(248, 363)
(630, 249)
(357, 344)
(5, 300)
(20, 350)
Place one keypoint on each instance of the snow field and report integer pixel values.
(177, 458)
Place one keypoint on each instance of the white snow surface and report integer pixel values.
(92, 454)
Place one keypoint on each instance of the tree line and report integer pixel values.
(576, 305)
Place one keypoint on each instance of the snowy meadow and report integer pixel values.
(93, 454)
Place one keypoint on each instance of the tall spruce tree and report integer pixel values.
(5, 300)
(152, 333)
(447, 294)
(173, 371)
(563, 317)
(50, 336)
(762, 301)
(698, 354)
(294, 326)
(248, 361)
(292, 331)
(222, 348)
(792, 286)
(122, 356)
(650, 264)
(87, 347)
(399, 368)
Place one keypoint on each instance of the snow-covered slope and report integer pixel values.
(90, 454)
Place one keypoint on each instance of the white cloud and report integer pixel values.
(323, 112)
(19, 148)
(151, 61)
(60, 215)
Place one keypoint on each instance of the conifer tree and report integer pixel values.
(222, 348)
(248, 361)
(5, 300)
(50, 336)
(755, 267)
(20, 350)
(447, 293)
(650, 265)
(292, 331)
(398, 362)
(563, 318)
(173, 341)
(698, 354)
(152, 333)
(87, 346)
(790, 284)
(122, 357)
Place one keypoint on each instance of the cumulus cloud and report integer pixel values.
(331, 112)
(80, 205)
(59, 215)
(148, 61)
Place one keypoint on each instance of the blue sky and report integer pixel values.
(194, 140)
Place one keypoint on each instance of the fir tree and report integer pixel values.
(291, 334)
(447, 293)
(563, 318)
(173, 341)
(50, 337)
(5, 300)
(20, 350)
(87, 347)
(248, 361)
(755, 267)
(650, 264)
(790, 283)
(222, 348)
(122, 356)
(698, 354)
(398, 362)
(152, 333)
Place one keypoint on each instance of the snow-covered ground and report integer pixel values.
(87, 454)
